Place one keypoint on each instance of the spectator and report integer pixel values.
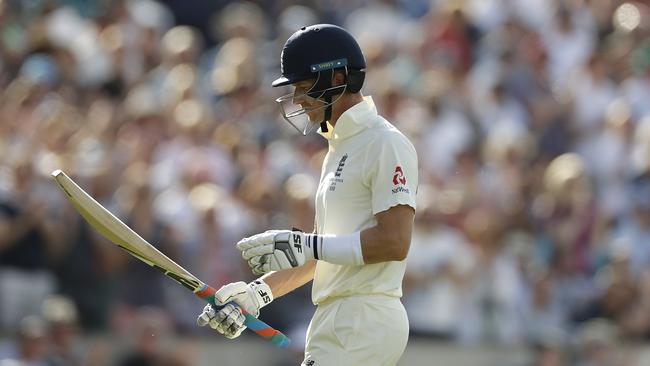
(31, 343)
(60, 315)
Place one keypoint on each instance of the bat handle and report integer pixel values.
(256, 325)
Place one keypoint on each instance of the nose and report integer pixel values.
(298, 98)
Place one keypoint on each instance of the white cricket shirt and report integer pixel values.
(369, 168)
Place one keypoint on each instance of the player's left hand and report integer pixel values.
(275, 250)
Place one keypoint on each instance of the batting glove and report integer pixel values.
(275, 250)
(230, 299)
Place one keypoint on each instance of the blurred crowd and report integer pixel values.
(531, 119)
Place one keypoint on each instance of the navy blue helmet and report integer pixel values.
(316, 52)
(317, 48)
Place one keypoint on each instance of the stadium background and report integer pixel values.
(532, 123)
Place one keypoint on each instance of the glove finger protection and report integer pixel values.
(229, 321)
(257, 240)
(207, 314)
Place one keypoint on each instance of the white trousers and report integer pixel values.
(357, 330)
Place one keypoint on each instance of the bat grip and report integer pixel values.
(256, 325)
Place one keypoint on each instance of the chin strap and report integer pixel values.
(323, 127)
(328, 114)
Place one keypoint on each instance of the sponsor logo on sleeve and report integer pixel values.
(399, 181)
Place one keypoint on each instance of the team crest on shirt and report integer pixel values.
(337, 175)
(399, 180)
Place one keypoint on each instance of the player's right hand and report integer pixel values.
(227, 318)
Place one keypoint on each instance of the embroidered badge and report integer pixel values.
(337, 175)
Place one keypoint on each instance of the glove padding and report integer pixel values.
(275, 250)
(230, 299)
(228, 321)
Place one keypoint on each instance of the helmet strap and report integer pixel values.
(327, 115)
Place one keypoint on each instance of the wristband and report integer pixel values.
(336, 249)
(263, 293)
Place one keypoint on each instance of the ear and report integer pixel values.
(338, 78)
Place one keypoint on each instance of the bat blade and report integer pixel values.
(119, 233)
(123, 236)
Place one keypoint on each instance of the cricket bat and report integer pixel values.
(120, 234)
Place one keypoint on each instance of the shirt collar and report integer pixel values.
(352, 121)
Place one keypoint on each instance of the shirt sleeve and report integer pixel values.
(392, 173)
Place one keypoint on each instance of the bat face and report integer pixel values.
(120, 234)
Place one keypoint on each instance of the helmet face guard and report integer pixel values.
(321, 92)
